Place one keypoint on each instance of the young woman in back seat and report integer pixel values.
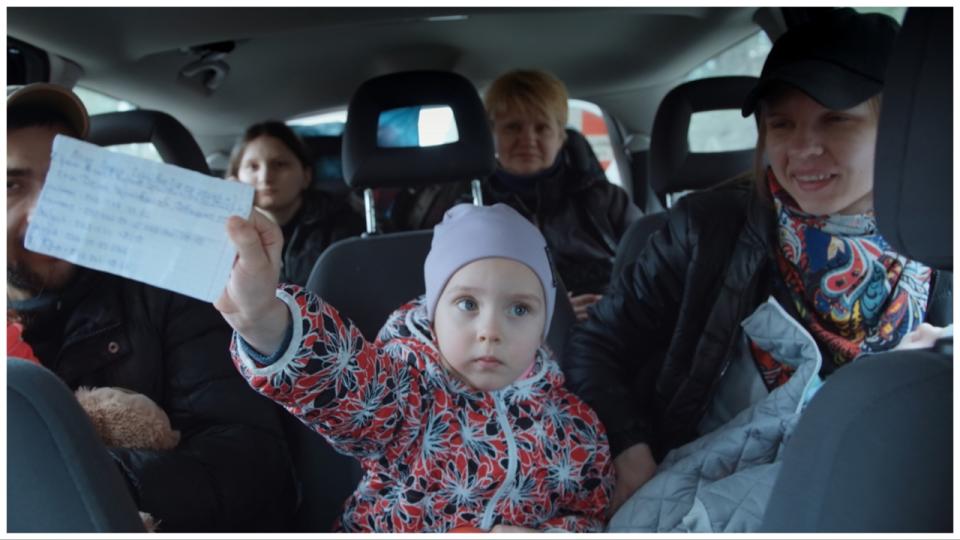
(698, 330)
(272, 158)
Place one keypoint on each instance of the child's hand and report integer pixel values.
(581, 302)
(511, 529)
(634, 466)
(923, 337)
(249, 303)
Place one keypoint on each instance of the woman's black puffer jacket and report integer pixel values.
(651, 354)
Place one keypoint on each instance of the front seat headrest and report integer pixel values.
(172, 140)
(913, 173)
(673, 167)
(368, 165)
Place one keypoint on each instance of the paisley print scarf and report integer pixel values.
(853, 292)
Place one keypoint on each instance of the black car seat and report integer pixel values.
(580, 153)
(60, 478)
(874, 450)
(172, 140)
(673, 168)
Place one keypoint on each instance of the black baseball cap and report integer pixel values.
(838, 59)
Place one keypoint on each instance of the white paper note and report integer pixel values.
(151, 222)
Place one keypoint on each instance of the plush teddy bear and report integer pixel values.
(122, 418)
(127, 419)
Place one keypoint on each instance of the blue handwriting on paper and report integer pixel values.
(152, 222)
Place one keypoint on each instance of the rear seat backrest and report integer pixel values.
(172, 140)
(673, 168)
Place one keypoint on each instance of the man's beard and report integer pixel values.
(22, 277)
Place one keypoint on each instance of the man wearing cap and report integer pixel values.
(680, 345)
(231, 470)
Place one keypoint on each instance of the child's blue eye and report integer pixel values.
(466, 304)
(519, 310)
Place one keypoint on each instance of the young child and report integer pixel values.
(457, 411)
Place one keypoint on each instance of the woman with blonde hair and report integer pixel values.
(581, 214)
(758, 291)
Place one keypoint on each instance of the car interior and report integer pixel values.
(190, 81)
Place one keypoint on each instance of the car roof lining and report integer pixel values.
(622, 67)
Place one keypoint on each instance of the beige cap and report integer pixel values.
(55, 97)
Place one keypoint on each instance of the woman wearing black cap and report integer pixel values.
(755, 284)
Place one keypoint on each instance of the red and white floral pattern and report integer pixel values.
(437, 454)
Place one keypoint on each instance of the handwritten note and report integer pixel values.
(147, 221)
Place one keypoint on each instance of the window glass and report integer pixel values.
(725, 130)
(427, 125)
(895, 12)
(97, 103)
(588, 119)
(324, 124)
(321, 133)
(744, 58)
(721, 131)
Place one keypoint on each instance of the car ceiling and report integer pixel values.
(292, 61)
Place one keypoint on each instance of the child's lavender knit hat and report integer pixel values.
(468, 233)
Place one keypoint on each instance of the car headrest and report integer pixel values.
(673, 167)
(171, 139)
(366, 164)
(913, 178)
(581, 154)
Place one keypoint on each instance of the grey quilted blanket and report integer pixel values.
(721, 482)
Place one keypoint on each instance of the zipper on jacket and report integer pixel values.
(488, 513)
(737, 332)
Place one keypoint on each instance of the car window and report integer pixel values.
(98, 103)
(327, 164)
(726, 130)
(588, 118)
(427, 125)
(327, 123)
(895, 12)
